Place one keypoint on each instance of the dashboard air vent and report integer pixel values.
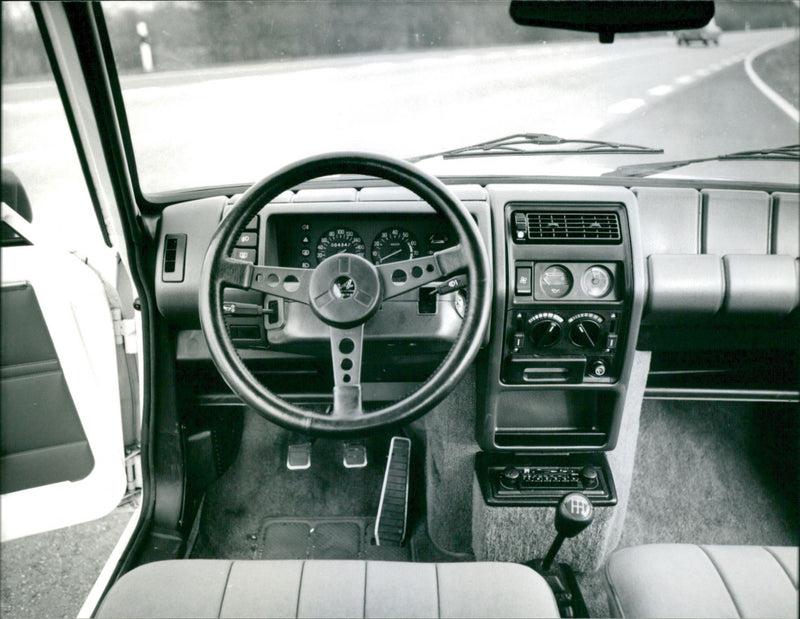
(567, 227)
(172, 264)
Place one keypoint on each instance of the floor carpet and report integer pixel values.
(327, 538)
(711, 473)
(259, 486)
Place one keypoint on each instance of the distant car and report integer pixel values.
(707, 34)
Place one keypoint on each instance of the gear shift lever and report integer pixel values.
(573, 514)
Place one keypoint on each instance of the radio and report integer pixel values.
(518, 479)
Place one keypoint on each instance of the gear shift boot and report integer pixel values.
(573, 514)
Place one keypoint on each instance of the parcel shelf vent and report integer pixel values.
(599, 227)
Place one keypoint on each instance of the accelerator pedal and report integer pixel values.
(390, 526)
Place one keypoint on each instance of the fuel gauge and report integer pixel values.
(436, 241)
(597, 281)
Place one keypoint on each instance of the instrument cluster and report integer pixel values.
(306, 240)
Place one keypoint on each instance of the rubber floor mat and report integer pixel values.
(328, 538)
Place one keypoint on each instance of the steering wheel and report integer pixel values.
(344, 291)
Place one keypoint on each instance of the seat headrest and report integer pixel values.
(14, 195)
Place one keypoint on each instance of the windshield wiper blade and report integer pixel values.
(779, 153)
(528, 143)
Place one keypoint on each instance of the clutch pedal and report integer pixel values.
(390, 526)
(298, 456)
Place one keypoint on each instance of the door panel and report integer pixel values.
(42, 441)
(62, 452)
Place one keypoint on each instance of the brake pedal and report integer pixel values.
(298, 456)
(355, 456)
(390, 526)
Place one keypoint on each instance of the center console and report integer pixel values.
(566, 305)
(570, 303)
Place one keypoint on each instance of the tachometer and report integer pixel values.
(393, 245)
(340, 241)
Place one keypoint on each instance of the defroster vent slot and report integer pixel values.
(569, 227)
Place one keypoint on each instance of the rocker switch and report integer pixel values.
(523, 280)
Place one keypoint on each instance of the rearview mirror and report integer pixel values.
(607, 17)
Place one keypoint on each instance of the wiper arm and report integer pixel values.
(524, 143)
(780, 153)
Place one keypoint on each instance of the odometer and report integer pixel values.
(393, 245)
(340, 241)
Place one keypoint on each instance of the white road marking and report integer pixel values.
(786, 107)
(702, 72)
(716, 66)
(684, 79)
(626, 106)
(660, 91)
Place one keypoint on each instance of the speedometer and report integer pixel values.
(393, 245)
(340, 241)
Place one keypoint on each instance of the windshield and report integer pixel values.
(218, 93)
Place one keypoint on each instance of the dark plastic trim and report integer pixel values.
(107, 52)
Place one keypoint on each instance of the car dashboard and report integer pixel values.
(584, 277)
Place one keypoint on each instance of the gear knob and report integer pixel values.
(573, 514)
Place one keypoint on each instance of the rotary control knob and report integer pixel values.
(509, 478)
(589, 477)
(544, 333)
(585, 333)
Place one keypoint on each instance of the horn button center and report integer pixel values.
(345, 290)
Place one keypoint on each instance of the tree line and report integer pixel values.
(185, 35)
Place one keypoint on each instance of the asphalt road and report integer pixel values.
(50, 575)
(236, 124)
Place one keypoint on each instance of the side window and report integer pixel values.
(37, 145)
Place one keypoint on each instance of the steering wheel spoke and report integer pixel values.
(401, 277)
(282, 282)
(346, 348)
